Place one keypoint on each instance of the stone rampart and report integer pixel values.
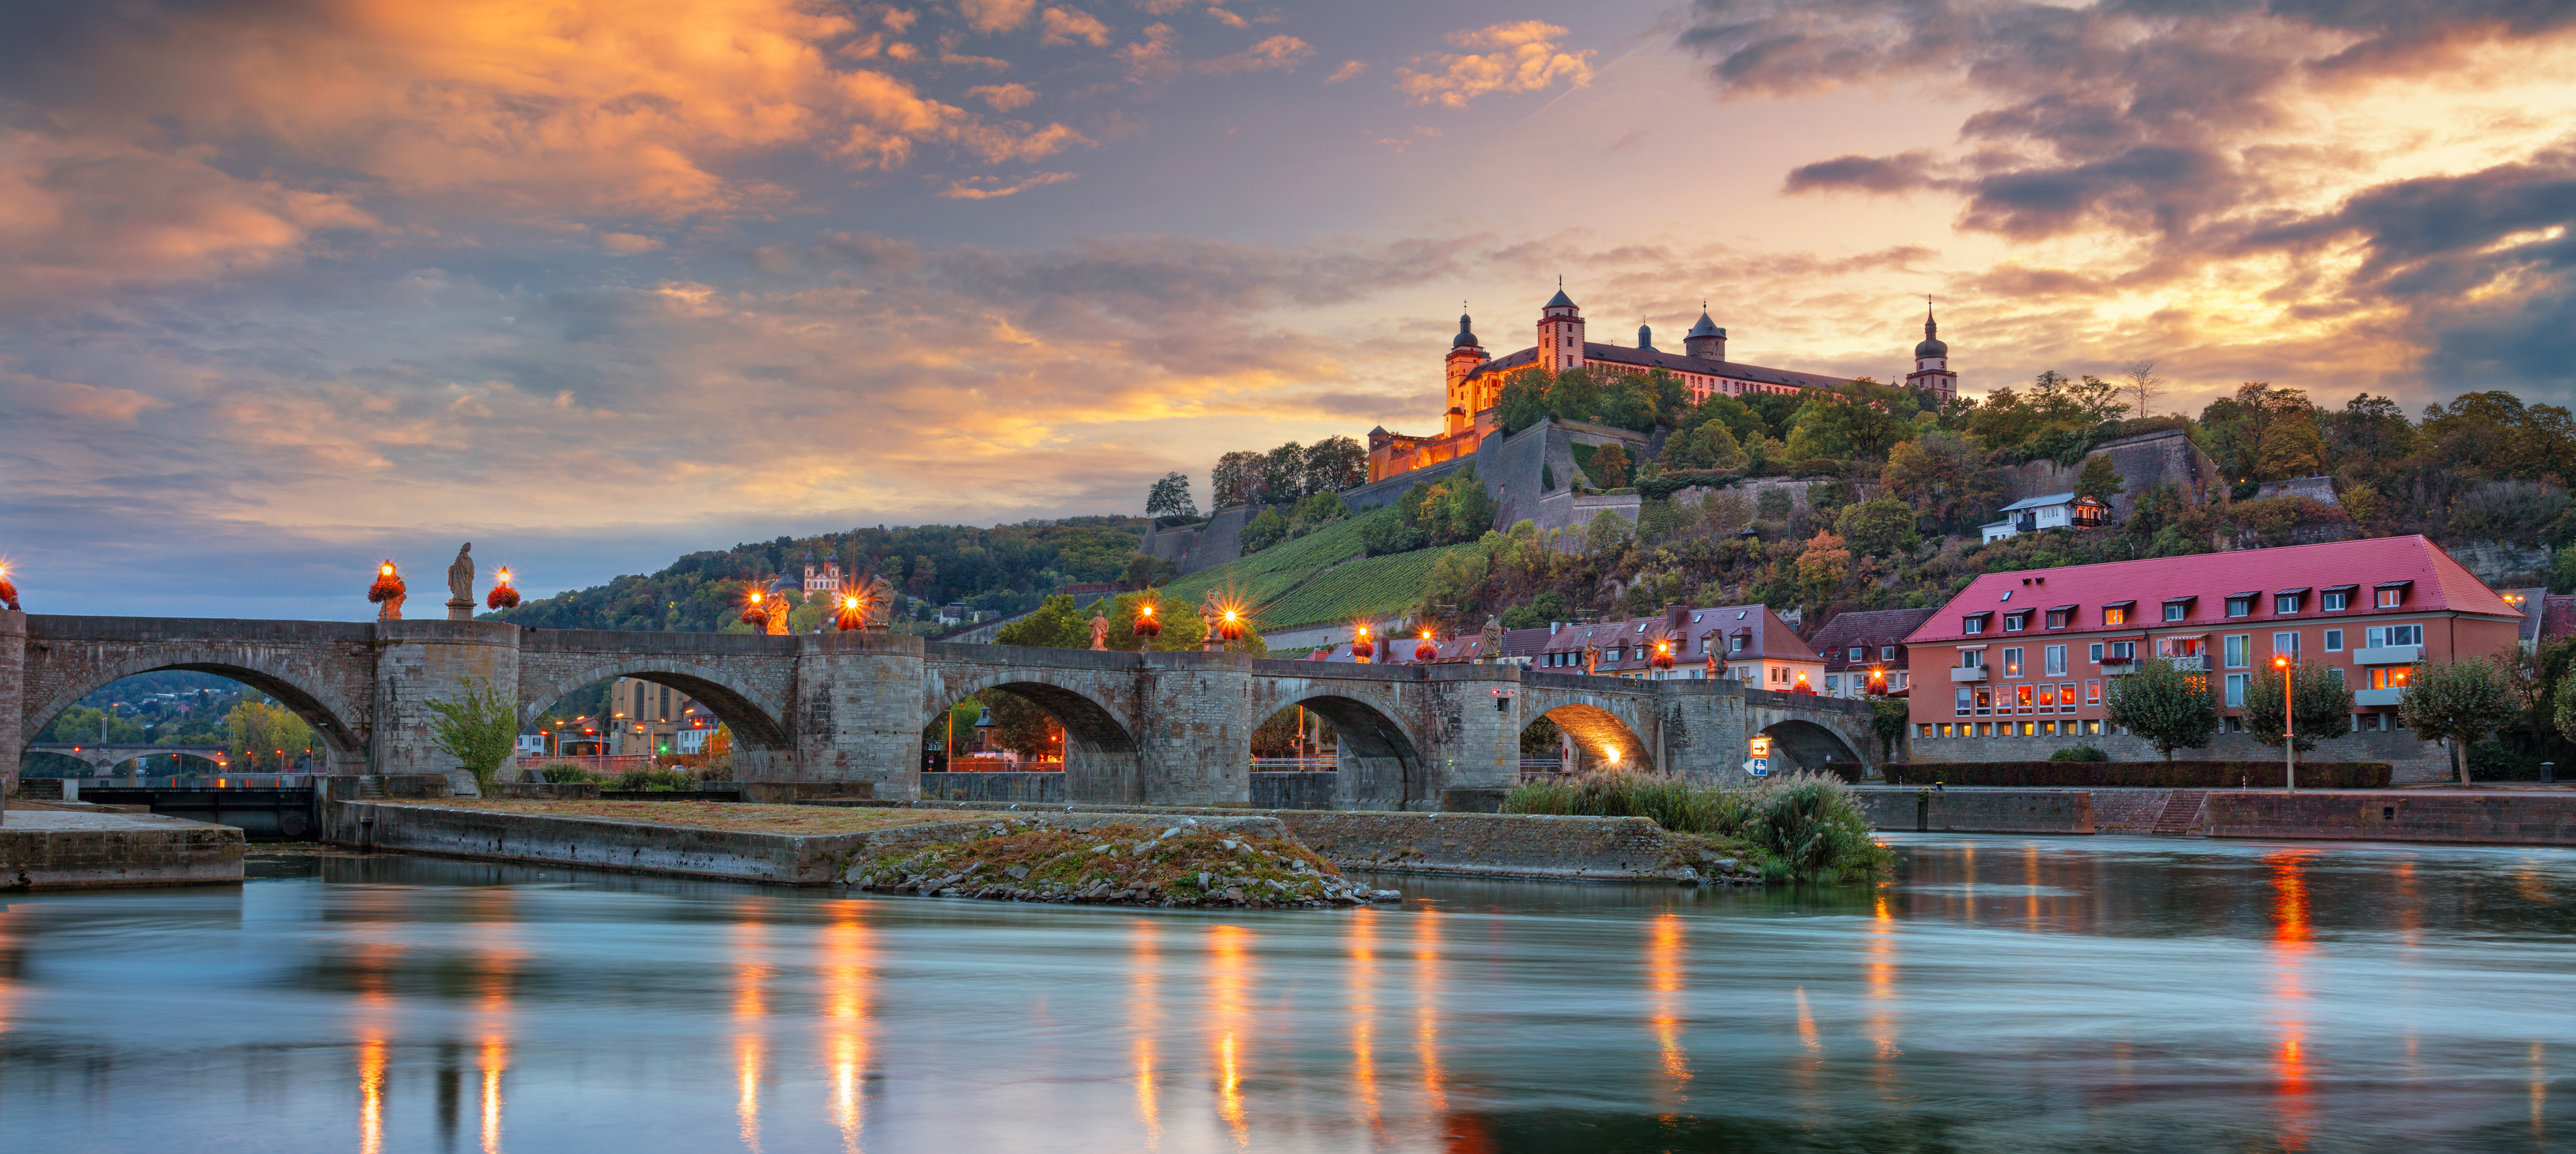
(2410, 761)
(2500, 817)
(2057, 811)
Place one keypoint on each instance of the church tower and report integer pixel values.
(1932, 363)
(1464, 355)
(1560, 333)
(1705, 339)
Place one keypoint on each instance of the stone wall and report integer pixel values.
(1206, 545)
(2053, 811)
(53, 850)
(14, 725)
(2502, 564)
(2128, 810)
(2498, 817)
(1294, 790)
(2166, 456)
(2409, 760)
(1037, 787)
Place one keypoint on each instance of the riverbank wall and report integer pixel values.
(2043, 811)
(1495, 845)
(2464, 816)
(662, 847)
(66, 849)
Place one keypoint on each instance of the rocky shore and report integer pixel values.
(1178, 865)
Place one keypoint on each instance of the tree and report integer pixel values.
(1888, 719)
(1824, 564)
(1710, 446)
(1523, 403)
(1881, 526)
(1264, 530)
(1334, 464)
(1144, 571)
(2167, 706)
(2323, 706)
(1610, 466)
(2100, 480)
(1283, 473)
(479, 728)
(1236, 479)
(1870, 418)
(2138, 380)
(1170, 497)
(1055, 624)
(1944, 476)
(255, 731)
(2460, 701)
(1607, 533)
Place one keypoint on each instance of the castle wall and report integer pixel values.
(2166, 455)
(1206, 545)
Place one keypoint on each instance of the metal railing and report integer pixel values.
(1293, 764)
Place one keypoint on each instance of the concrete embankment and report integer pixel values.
(665, 846)
(56, 848)
(2463, 816)
(1458, 844)
(1978, 810)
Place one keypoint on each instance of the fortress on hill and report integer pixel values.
(1476, 379)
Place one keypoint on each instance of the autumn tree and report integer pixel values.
(2323, 706)
(1610, 466)
(2459, 701)
(2168, 706)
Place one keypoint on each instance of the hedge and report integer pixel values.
(2142, 774)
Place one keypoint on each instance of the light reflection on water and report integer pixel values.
(2077, 994)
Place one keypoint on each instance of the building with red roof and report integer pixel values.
(1749, 643)
(1865, 653)
(2017, 664)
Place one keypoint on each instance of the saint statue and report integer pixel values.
(1489, 646)
(460, 585)
(779, 608)
(1099, 630)
(880, 603)
(390, 609)
(1591, 658)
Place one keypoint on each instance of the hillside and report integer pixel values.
(1319, 579)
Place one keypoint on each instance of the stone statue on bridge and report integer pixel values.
(779, 609)
(879, 604)
(460, 585)
(1099, 630)
(1489, 645)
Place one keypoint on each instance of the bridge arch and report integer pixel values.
(1809, 746)
(1100, 746)
(257, 668)
(755, 726)
(1379, 763)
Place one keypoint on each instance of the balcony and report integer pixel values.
(2389, 655)
(2196, 663)
(2118, 668)
(1971, 673)
(2366, 698)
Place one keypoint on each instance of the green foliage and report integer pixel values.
(1888, 720)
(1546, 478)
(1263, 576)
(2170, 707)
(1266, 529)
(1145, 571)
(2461, 701)
(2323, 706)
(566, 773)
(655, 779)
(1449, 587)
(2079, 753)
(1807, 826)
(1523, 402)
(1374, 589)
(1316, 512)
(1607, 532)
(479, 727)
(1774, 504)
(1879, 527)
(1609, 467)
(1457, 509)
(1170, 497)
(266, 735)
(2100, 480)
(1542, 609)
(1055, 624)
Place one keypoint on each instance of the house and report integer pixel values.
(1865, 653)
(2031, 655)
(1747, 642)
(2054, 511)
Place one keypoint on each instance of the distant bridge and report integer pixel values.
(1164, 728)
(106, 757)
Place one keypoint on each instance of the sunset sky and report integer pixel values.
(287, 286)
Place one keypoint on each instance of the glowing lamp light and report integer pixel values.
(1610, 753)
(502, 596)
(1148, 625)
(1230, 627)
(1425, 649)
(1663, 658)
(1361, 647)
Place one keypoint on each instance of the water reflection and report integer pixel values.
(2098, 994)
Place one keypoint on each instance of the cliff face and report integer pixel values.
(2166, 456)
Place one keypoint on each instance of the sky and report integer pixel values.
(288, 286)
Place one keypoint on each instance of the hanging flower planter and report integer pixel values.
(1148, 625)
(502, 595)
(1663, 658)
(1229, 628)
(8, 592)
(1426, 650)
(1361, 647)
(853, 615)
(755, 614)
(389, 584)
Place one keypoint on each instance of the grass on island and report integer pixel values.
(1796, 827)
(720, 815)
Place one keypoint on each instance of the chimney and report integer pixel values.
(1675, 616)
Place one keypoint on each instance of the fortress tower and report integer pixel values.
(1465, 354)
(1932, 362)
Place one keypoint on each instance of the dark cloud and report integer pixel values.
(1881, 174)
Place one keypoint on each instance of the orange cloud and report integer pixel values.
(1523, 57)
(995, 15)
(1066, 25)
(1004, 97)
(980, 187)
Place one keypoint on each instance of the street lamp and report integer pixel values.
(2289, 739)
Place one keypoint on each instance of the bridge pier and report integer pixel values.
(418, 662)
(854, 719)
(13, 690)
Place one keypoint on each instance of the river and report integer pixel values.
(2001, 994)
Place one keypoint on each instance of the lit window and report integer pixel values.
(2012, 661)
(2391, 598)
(2093, 691)
(2118, 615)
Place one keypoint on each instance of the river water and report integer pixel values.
(2000, 995)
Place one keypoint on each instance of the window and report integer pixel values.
(2115, 615)
(2337, 601)
(1972, 624)
(1985, 701)
(2174, 611)
(1887, 653)
(2392, 677)
(1858, 653)
(2092, 691)
(2053, 659)
(2285, 645)
(2066, 697)
(2380, 635)
(2060, 618)
(2047, 699)
(1924, 729)
(2236, 607)
(1963, 704)
(1833, 684)
(2095, 653)
(1972, 659)
(1735, 644)
(2391, 598)
(2012, 661)
(2021, 697)
(2013, 622)
(2240, 650)
(2334, 640)
(2286, 602)
(2027, 729)
(2236, 689)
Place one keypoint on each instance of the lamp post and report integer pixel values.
(2289, 738)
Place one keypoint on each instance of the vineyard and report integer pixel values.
(1265, 575)
(1377, 589)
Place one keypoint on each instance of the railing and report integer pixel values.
(1294, 764)
(2198, 663)
(1967, 673)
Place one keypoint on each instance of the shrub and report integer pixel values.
(1807, 823)
(2142, 774)
(656, 779)
(566, 773)
(2079, 753)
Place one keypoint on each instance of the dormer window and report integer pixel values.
(2238, 605)
(2016, 622)
(2289, 601)
(2390, 594)
(2061, 617)
(2337, 598)
(2177, 608)
(1974, 623)
(1858, 653)
(2117, 612)
(1887, 653)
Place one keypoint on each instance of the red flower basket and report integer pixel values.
(1426, 651)
(8, 593)
(1362, 648)
(1663, 658)
(756, 617)
(1148, 625)
(851, 616)
(388, 586)
(502, 597)
(1229, 629)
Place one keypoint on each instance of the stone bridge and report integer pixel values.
(106, 757)
(1164, 728)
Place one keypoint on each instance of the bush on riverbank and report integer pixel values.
(1181, 865)
(2141, 774)
(565, 773)
(1796, 827)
